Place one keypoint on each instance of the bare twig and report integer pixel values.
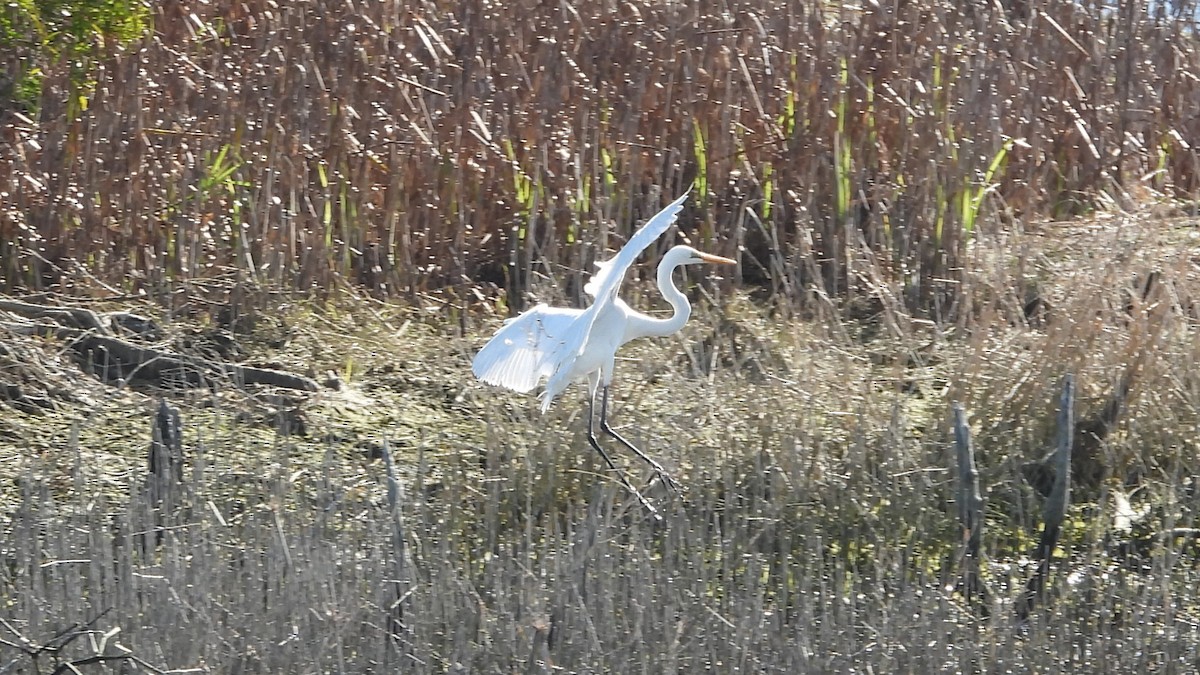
(54, 647)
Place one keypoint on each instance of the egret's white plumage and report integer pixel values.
(562, 345)
(519, 356)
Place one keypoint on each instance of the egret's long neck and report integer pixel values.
(683, 309)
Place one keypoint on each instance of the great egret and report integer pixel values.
(562, 345)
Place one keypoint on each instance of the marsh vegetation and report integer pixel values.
(930, 203)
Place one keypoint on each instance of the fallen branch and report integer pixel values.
(84, 319)
(116, 358)
(89, 335)
(55, 648)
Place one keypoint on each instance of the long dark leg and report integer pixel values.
(608, 460)
(658, 469)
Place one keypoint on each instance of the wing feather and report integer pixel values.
(522, 352)
(609, 274)
(603, 286)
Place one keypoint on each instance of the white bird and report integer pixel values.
(562, 345)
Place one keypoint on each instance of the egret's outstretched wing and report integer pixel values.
(603, 286)
(607, 280)
(524, 350)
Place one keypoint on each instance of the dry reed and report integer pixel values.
(411, 147)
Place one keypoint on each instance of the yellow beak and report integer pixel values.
(710, 258)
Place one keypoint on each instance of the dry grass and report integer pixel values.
(424, 146)
(817, 533)
(439, 152)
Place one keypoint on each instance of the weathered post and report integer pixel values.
(970, 514)
(1055, 509)
(395, 497)
(164, 470)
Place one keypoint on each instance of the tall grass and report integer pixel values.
(816, 532)
(415, 147)
(900, 159)
(746, 582)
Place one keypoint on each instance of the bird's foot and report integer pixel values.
(640, 499)
(666, 479)
(653, 511)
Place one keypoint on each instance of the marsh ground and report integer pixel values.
(817, 532)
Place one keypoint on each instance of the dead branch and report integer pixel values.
(1055, 509)
(55, 646)
(90, 336)
(970, 514)
(84, 319)
(118, 358)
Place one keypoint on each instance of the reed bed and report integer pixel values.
(443, 145)
(816, 533)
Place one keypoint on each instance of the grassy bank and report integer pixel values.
(817, 531)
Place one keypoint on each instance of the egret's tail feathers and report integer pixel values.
(554, 387)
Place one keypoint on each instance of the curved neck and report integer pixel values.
(651, 327)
